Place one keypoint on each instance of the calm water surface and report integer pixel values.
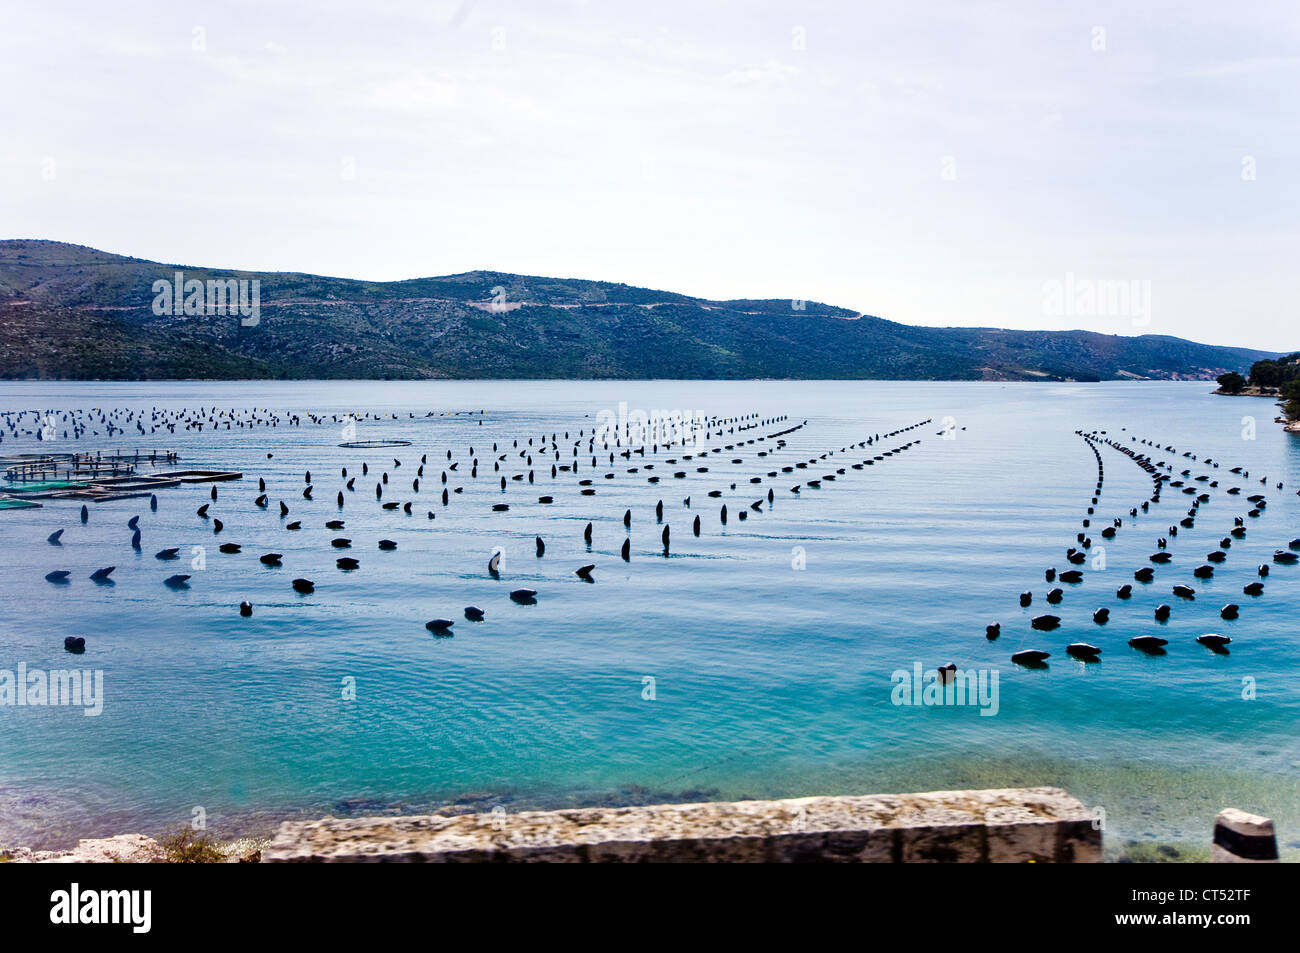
(769, 680)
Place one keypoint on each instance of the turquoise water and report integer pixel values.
(769, 680)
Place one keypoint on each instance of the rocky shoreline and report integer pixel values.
(139, 849)
(133, 849)
(1247, 392)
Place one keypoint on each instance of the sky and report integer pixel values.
(1120, 167)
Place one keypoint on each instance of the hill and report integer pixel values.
(67, 311)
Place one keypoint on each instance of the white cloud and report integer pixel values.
(770, 73)
(679, 145)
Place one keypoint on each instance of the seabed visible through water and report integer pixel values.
(755, 659)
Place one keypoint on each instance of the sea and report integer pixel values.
(780, 655)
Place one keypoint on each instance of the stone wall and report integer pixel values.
(1013, 825)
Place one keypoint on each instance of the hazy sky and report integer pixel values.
(932, 163)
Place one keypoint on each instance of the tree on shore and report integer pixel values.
(1291, 391)
(1269, 373)
(1232, 382)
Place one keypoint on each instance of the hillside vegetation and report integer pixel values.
(67, 311)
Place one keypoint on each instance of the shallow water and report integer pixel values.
(769, 680)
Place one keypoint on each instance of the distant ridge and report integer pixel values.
(72, 312)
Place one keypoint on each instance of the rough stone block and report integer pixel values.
(1012, 825)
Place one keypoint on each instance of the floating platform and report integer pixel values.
(127, 487)
(202, 476)
(44, 467)
(116, 487)
(374, 444)
(33, 487)
(13, 503)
